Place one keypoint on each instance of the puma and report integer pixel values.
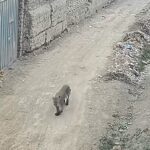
(61, 99)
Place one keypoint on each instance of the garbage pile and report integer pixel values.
(131, 54)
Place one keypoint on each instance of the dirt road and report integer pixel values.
(27, 120)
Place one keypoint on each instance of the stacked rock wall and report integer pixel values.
(46, 19)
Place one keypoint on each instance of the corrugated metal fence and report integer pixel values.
(8, 32)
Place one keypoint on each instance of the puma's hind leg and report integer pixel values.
(58, 111)
(67, 100)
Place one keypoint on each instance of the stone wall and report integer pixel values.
(43, 20)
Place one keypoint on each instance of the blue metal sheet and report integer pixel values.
(8, 32)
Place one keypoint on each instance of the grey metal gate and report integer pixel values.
(8, 32)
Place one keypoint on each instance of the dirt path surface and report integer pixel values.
(27, 120)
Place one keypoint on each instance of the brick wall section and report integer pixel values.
(46, 19)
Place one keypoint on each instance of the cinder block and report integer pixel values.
(34, 4)
(55, 31)
(47, 35)
(37, 41)
(58, 11)
(77, 10)
(41, 19)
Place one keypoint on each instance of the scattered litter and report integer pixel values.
(127, 61)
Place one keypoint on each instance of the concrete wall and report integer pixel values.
(46, 19)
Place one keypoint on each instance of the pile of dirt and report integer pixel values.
(132, 53)
(129, 58)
